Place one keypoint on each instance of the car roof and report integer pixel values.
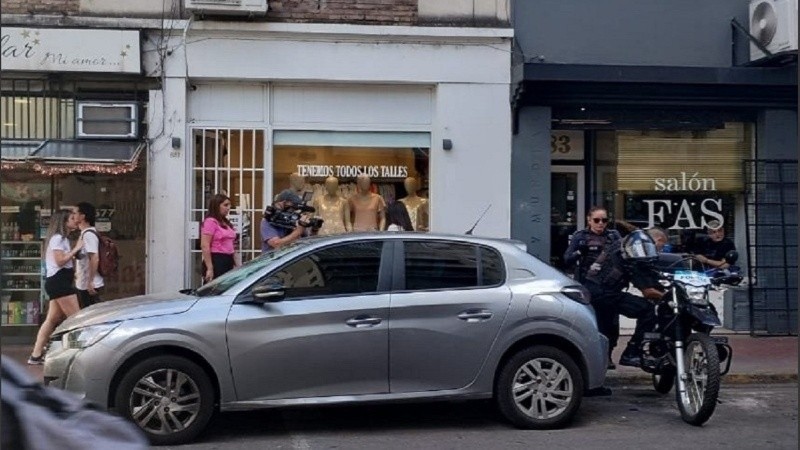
(491, 241)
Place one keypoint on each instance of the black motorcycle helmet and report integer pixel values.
(638, 246)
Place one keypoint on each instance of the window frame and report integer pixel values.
(399, 263)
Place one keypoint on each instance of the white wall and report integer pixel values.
(462, 77)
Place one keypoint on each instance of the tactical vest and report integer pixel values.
(595, 244)
(608, 270)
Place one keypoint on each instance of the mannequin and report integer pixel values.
(368, 209)
(296, 188)
(333, 209)
(417, 206)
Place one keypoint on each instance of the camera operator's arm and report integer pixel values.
(276, 242)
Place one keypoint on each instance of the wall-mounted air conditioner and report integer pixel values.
(227, 7)
(774, 24)
(107, 120)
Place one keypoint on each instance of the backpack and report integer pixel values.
(108, 253)
(39, 417)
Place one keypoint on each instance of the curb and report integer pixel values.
(731, 378)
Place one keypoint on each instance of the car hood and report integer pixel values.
(130, 308)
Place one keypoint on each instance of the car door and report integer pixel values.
(449, 302)
(327, 336)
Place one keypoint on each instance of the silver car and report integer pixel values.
(345, 319)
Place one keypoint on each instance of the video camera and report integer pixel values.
(291, 215)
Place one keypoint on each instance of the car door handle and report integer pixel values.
(363, 321)
(475, 315)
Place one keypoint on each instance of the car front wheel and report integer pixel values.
(540, 387)
(169, 397)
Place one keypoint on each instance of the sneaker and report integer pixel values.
(36, 360)
(611, 365)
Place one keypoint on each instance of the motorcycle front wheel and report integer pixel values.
(701, 365)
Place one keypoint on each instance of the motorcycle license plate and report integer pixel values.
(692, 278)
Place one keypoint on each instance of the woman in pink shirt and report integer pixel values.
(217, 238)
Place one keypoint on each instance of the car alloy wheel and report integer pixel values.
(169, 397)
(539, 387)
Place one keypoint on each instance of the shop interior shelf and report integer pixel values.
(20, 324)
(21, 242)
(21, 257)
(21, 290)
(23, 273)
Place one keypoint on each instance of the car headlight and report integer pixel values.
(697, 295)
(87, 336)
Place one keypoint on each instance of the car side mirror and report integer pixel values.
(731, 257)
(272, 290)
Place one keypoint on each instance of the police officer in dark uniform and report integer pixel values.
(620, 263)
(584, 248)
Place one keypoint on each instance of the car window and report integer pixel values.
(440, 265)
(340, 270)
(492, 267)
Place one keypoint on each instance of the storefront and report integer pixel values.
(422, 112)
(71, 132)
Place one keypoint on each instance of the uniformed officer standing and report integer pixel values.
(621, 263)
(584, 248)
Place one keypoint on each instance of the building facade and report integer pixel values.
(646, 109)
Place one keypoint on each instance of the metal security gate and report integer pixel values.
(231, 162)
(771, 218)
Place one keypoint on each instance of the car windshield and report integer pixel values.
(226, 281)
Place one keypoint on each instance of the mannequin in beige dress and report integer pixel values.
(417, 206)
(368, 209)
(333, 209)
(297, 185)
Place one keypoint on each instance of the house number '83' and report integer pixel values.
(560, 144)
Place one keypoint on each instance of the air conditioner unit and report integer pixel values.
(107, 120)
(774, 24)
(227, 7)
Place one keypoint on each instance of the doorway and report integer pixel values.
(567, 209)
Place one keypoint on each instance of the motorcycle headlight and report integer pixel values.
(697, 295)
(87, 336)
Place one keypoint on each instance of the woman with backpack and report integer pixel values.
(60, 279)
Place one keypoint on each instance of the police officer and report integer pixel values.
(620, 263)
(584, 247)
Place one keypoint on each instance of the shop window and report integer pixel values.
(677, 180)
(327, 166)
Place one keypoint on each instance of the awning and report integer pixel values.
(13, 154)
(69, 156)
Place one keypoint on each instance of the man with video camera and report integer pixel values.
(274, 237)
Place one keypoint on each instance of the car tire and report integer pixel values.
(540, 387)
(169, 397)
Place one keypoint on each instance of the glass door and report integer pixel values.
(567, 210)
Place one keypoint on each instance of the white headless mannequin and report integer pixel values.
(368, 209)
(333, 209)
(297, 185)
(417, 206)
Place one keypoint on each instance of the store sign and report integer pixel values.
(315, 171)
(692, 210)
(566, 144)
(70, 50)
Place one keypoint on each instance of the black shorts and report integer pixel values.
(61, 284)
(221, 262)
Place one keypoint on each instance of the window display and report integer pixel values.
(350, 186)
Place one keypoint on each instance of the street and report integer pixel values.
(634, 416)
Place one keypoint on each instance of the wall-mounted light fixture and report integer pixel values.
(447, 144)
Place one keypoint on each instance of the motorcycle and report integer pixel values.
(681, 350)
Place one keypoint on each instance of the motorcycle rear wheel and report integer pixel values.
(701, 365)
(663, 382)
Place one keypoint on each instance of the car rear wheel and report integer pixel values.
(169, 397)
(539, 388)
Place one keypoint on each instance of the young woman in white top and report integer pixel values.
(60, 282)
